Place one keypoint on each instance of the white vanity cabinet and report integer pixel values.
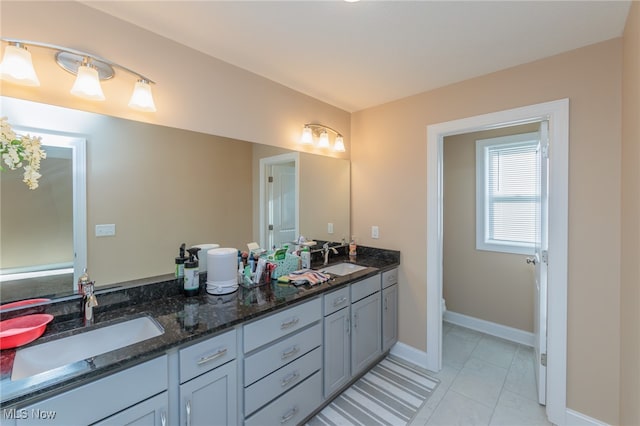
(337, 340)
(389, 309)
(366, 323)
(208, 382)
(99, 400)
(283, 365)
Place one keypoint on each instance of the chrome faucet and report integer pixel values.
(89, 300)
(325, 250)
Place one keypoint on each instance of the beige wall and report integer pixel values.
(37, 225)
(492, 286)
(389, 190)
(630, 280)
(193, 91)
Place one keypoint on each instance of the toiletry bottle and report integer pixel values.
(353, 247)
(305, 255)
(191, 275)
(180, 260)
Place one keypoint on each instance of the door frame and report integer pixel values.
(265, 166)
(557, 113)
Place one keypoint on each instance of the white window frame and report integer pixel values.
(483, 242)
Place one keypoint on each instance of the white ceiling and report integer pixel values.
(358, 55)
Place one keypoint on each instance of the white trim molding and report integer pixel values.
(491, 328)
(574, 418)
(557, 114)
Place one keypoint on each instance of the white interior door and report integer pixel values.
(282, 204)
(540, 261)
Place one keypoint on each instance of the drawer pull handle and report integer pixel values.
(290, 352)
(205, 359)
(289, 415)
(339, 301)
(290, 323)
(286, 381)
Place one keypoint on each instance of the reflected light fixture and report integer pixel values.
(321, 132)
(17, 67)
(89, 70)
(141, 98)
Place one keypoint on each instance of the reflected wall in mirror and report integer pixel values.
(163, 186)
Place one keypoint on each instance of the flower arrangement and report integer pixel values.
(21, 151)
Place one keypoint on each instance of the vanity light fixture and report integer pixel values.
(17, 66)
(89, 69)
(320, 131)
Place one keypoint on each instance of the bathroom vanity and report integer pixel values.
(270, 355)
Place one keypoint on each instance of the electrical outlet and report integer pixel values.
(330, 228)
(107, 230)
(375, 232)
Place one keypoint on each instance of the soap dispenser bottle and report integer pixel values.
(191, 274)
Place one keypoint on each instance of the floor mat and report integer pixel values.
(391, 393)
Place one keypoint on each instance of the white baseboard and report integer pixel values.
(409, 354)
(573, 418)
(498, 330)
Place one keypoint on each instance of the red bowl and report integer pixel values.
(23, 303)
(19, 331)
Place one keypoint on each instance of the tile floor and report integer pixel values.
(484, 381)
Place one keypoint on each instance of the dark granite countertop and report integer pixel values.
(161, 299)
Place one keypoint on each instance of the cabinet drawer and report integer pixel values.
(152, 412)
(204, 356)
(275, 356)
(364, 288)
(114, 393)
(336, 300)
(280, 381)
(389, 278)
(292, 407)
(280, 324)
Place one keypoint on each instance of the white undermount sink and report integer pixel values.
(37, 359)
(342, 269)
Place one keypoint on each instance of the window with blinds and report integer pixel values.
(507, 193)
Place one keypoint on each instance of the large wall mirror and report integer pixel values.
(159, 187)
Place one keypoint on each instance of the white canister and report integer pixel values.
(202, 254)
(222, 270)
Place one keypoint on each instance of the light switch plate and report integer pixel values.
(375, 232)
(106, 230)
(330, 228)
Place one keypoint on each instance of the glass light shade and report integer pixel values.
(142, 99)
(87, 84)
(307, 136)
(16, 66)
(338, 145)
(324, 140)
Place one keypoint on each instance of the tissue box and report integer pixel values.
(290, 263)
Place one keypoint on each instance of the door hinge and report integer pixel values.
(270, 179)
(545, 256)
(543, 359)
(545, 151)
